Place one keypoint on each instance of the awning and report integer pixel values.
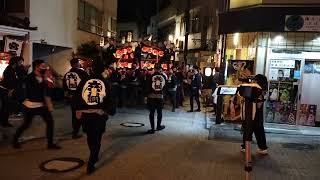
(260, 19)
(12, 31)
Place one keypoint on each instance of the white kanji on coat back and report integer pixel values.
(93, 92)
(158, 82)
(72, 80)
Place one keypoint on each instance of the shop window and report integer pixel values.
(89, 18)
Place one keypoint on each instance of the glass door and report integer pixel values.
(309, 111)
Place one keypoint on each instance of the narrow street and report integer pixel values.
(181, 151)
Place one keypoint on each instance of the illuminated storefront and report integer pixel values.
(285, 48)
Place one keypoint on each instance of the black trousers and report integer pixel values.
(153, 105)
(259, 133)
(194, 95)
(76, 123)
(29, 113)
(4, 110)
(94, 126)
(123, 96)
(115, 94)
(179, 95)
(173, 98)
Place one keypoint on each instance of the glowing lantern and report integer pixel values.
(155, 52)
(145, 49)
(161, 53)
(124, 51)
(118, 53)
(207, 71)
(129, 49)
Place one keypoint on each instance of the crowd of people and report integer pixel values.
(94, 93)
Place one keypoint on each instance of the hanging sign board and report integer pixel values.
(13, 46)
(306, 23)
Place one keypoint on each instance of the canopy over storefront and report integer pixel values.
(261, 19)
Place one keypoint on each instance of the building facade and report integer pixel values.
(62, 26)
(279, 39)
(170, 24)
(128, 32)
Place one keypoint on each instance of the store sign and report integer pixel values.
(13, 46)
(243, 3)
(290, 64)
(302, 23)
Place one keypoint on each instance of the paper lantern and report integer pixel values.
(145, 49)
(207, 71)
(124, 51)
(155, 52)
(129, 50)
(161, 53)
(150, 50)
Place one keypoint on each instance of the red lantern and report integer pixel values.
(145, 49)
(118, 53)
(129, 49)
(125, 51)
(155, 52)
(161, 53)
(132, 56)
(150, 50)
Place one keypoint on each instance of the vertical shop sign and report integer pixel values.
(13, 46)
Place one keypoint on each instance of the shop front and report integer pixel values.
(288, 57)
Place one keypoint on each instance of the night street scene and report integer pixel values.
(159, 90)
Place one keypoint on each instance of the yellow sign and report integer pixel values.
(243, 3)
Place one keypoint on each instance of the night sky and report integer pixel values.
(135, 10)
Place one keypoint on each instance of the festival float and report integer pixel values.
(150, 55)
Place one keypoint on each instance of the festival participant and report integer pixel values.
(94, 104)
(10, 86)
(37, 102)
(172, 89)
(71, 81)
(156, 84)
(195, 89)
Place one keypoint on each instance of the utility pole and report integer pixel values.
(187, 30)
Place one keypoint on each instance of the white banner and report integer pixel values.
(13, 45)
(306, 23)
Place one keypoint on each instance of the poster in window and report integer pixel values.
(232, 104)
(307, 114)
